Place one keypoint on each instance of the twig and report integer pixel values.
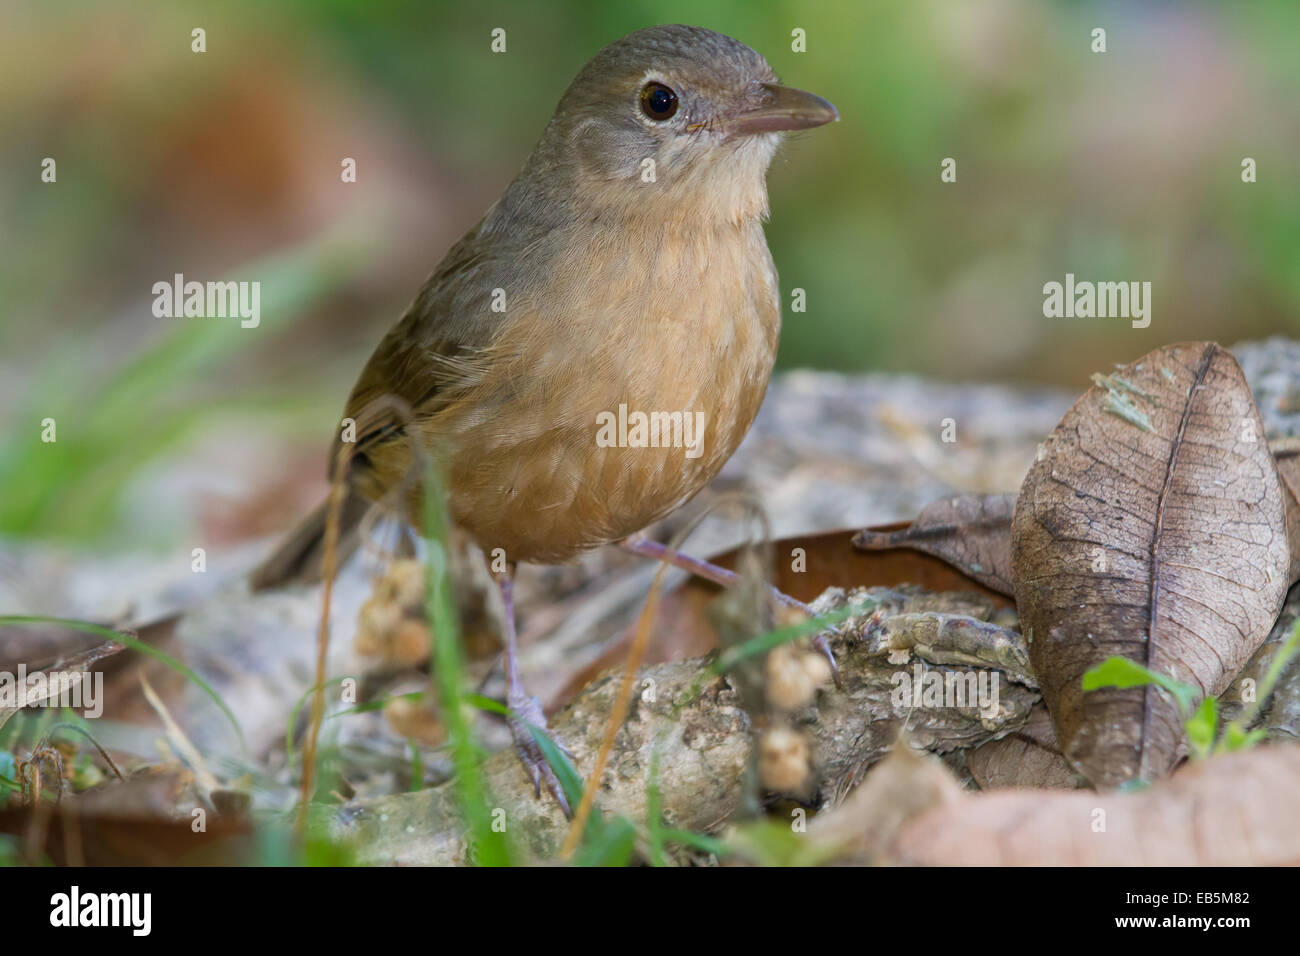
(329, 561)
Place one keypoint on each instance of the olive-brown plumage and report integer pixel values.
(625, 265)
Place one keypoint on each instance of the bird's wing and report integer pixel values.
(436, 350)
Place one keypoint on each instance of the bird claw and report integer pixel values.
(524, 711)
(819, 641)
(822, 644)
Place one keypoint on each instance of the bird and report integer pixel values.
(621, 282)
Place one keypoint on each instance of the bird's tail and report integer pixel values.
(298, 559)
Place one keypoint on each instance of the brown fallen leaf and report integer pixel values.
(75, 837)
(1286, 454)
(804, 566)
(1234, 810)
(904, 784)
(970, 532)
(1027, 758)
(1150, 526)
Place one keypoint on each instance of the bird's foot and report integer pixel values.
(821, 643)
(648, 548)
(526, 710)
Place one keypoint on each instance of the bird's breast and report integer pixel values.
(635, 373)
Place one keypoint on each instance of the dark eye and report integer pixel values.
(658, 102)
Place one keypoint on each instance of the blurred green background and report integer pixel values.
(225, 165)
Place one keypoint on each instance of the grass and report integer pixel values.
(292, 722)
(604, 841)
(107, 429)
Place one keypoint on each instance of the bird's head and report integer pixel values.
(677, 117)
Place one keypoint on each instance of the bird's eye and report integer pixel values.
(658, 102)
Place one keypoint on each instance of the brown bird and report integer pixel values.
(587, 357)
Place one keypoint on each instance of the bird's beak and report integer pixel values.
(784, 109)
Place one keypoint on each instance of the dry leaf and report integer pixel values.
(1150, 526)
(904, 784)
(1235, 810)
(970, 532)
(1286, 453)
(1027, 758)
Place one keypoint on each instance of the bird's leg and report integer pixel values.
(525, 709)
(648, 548)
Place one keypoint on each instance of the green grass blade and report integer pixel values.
(613, 846)
(1122, 673)
(698, 841)
(654, 813)
(570, 781)
(293, 717)
(763, 643)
